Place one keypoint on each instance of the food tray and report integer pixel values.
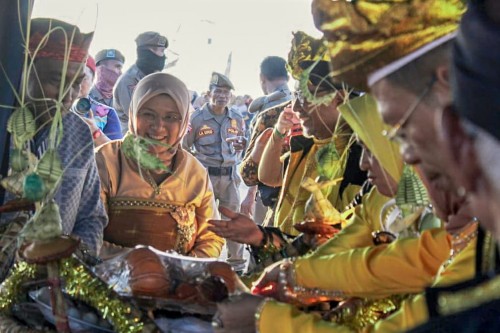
(42, 296)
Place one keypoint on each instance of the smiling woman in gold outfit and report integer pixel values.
(166, 205)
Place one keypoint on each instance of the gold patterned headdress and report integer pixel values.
(309, 63)
(306, 51)
(362, 116)
(365, 36)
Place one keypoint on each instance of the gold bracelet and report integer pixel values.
(291, 290)
(278, 133)
(286, 278)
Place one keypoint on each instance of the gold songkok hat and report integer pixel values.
(370, 39)
(362, 116)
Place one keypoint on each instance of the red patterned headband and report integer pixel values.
(56, 48)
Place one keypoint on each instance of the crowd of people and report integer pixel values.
(372, 189)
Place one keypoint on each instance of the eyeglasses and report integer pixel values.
(394, 134)
(153, 118)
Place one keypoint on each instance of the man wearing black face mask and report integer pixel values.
(151, 58)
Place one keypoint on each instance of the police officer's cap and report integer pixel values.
(109, 54)
(220, 80)
(151, 38)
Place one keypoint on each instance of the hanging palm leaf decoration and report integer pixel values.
(326, 159)
(49, 168)
(15, 182)
(22, 126)
(311, 97)
(20, 160)
(34, 188)
(46, 224)
(411, 192)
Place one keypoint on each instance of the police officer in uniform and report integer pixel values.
(151, 58)
(217, 135)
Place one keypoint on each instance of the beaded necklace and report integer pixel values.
(152, 182)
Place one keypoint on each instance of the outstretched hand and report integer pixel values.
(268, 283)
(239, 228)
(239, 142)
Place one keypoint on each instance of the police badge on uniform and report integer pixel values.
(205, 130)
(234, 127)
(215, 79)
(110, 54)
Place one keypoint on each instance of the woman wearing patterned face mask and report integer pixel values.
(156, 193)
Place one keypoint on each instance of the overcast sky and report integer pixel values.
(201, 33)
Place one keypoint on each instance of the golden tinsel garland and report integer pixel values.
(79, 284)
(11, 287)
(82, 285)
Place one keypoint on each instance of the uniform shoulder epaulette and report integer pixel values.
(196, 113)
(451, 302)
(235, 114)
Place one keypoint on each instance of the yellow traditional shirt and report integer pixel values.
(183, 203)
(276, 316)
(405, 266)
(291, 204)
(358, 232)
(413, 312)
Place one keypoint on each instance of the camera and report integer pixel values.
(81, 106)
